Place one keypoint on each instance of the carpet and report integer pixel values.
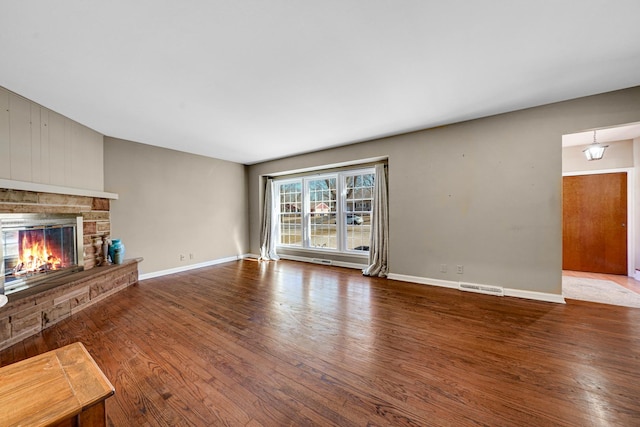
(603, 291)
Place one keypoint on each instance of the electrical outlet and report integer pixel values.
(460, 269)
(191, 256)
(443, 268)
(182, 257)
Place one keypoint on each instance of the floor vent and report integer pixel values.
(322, 261)
(483, 289)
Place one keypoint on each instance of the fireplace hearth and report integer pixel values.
(37, 247)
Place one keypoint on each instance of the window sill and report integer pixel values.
(359, 255)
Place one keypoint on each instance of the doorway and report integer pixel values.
(607, 188)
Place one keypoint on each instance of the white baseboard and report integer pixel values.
(637, 275)
(151, 275)
(424, 280)
(538, 296)
(508, 292)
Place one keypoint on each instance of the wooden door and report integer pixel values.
(594, 229)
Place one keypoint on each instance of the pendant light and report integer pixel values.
(594, 151)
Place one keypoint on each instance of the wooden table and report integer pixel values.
(63, 387)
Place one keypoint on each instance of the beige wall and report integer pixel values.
(172, 203)
(485, 194)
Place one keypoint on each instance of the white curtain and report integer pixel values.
(269, 231)
(378, 248)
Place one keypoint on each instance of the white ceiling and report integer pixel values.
(251, 80)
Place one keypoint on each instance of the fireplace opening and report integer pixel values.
(37, 247)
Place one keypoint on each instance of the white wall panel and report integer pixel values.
(36, 159)
(45, 176)
(41, 146)
(57, 163)
(20, 136)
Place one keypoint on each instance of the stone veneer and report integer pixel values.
(29, 312)
(94, 211)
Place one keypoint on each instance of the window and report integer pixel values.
(290, 215)
(321, 210)
(359, 201)
(327, 212)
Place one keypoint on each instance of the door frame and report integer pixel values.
(631, 203)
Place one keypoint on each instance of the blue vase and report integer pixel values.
(116, 251)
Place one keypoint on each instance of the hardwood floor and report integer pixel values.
(287, 343)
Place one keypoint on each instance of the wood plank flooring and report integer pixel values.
(287, 343)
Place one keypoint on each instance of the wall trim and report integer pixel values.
(188, 267)
(424, 280)
(538, 296)
(508, 292)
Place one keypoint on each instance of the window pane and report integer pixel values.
(359, 201)
(290, 218)
(322, 213)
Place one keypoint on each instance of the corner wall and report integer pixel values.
(485, 194)
(173, 203)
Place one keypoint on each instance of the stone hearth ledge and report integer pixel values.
(30, 311)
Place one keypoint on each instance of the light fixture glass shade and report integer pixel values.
(595, 151)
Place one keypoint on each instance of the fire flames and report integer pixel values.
(36, 256)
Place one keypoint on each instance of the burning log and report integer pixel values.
(35, 256)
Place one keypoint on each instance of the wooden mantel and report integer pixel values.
(57, 189)
(63, 387)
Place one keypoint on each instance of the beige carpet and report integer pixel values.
(603, 291)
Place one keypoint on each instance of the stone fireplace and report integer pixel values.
(39, 220)
(94, 211)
